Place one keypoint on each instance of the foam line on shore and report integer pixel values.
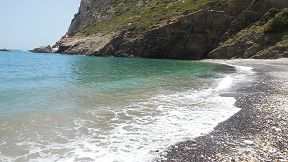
(262, 121)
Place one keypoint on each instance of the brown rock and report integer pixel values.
(42, 49)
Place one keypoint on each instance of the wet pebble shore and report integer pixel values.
(258, 132)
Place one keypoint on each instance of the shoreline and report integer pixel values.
(258, 132)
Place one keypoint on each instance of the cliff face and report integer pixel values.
(91, 11)
(218, 29)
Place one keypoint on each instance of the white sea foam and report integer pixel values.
(225, 83)
(242, 73)
(141, 131)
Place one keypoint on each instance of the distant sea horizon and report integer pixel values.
(77, 108)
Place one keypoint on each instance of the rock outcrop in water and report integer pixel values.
(5, 49)
(42, 49)
(179, 29)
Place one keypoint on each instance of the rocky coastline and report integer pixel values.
(258, 132)
(219, 29)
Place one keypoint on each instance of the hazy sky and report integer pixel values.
(26, 24)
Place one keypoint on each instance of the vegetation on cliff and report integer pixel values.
(143, 15)
(266, 38)
(179, 29)
(279, 23)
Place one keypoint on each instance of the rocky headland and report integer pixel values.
(178, 29)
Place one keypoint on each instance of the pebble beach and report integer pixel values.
(258, 132)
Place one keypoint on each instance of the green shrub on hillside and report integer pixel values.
(279, 23)
(143, 15)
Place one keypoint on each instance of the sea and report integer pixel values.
(63, 108)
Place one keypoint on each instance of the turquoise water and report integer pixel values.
(77, 108)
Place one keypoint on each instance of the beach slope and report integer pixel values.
(258, 132)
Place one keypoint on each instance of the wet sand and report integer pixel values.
(258, 132)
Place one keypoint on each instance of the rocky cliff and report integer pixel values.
(176, 29)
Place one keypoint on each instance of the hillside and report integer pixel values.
(173, 29)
